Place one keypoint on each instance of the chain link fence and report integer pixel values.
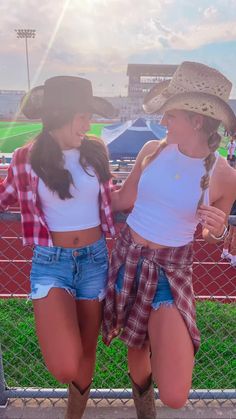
(22, 371)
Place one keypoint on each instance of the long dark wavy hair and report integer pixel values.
(47, 159)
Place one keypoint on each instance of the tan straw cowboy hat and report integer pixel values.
(194, 87)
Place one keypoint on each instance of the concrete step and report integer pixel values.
(117, 410)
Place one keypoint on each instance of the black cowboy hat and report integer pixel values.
(64, 94)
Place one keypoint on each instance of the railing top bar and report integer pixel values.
(115, 393)
(10, 216)
(119, 217)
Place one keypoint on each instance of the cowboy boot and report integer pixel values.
(76, 402)
(144, 400)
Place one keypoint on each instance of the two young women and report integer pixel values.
(61, 181)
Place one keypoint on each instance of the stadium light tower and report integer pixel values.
(25, 34)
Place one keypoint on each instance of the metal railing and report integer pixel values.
(23, 374)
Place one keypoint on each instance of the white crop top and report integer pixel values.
(79, 212)
(167, 199)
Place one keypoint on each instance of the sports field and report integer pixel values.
(15, 134)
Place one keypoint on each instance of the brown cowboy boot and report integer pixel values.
(144, 400)
(76, 402)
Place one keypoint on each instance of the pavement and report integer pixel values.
(51, 409)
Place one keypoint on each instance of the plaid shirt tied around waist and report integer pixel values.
(126, 314)
(21, 184)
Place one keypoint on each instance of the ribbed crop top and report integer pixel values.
(167, 199)
(79, 212)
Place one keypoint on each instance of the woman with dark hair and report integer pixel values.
(174, 185)
(61, 181)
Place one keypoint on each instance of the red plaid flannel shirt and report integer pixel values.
(127, 313)
(21, 184)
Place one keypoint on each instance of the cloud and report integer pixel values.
(162, 28)
(210, 12)
(102, 36)
(204, 34)
(93, 28)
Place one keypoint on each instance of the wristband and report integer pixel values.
(222, 236)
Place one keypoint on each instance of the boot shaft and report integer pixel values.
(144, 401)
(76, 402)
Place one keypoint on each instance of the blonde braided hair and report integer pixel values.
(148, 159)
(209, 126)
(209, 161)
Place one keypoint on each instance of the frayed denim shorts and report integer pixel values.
(80, 271)
(163, 295)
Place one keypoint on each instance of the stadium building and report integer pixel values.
(9, 103)
(142, 77)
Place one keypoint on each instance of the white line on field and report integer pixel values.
(18, 135)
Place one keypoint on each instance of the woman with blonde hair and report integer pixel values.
(174, 185)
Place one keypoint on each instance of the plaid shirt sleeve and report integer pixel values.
(8, 191)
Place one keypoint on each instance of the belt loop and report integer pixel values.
(89, 250)
(58, 252)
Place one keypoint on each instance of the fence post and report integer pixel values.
(3, 397)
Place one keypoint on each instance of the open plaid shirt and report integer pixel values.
(21, 184)
(127, 313)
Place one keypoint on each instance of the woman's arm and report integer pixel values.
(125, 197)
(215, 217)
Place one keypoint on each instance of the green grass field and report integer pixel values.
(23, 364)
(15, 134)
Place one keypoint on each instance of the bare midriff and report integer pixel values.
(140, 240)
(78, 238)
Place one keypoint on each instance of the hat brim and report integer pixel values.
(103, 108)
(32, 105)
(160, 101)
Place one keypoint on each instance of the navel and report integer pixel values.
(76, 241)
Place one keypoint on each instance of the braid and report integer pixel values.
(213, 144)
(148, 159)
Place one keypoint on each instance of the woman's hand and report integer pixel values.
(212, 219)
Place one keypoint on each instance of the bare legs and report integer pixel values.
(140, 357)
(172, 357)
(67, 331)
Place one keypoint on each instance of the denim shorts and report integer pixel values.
(163, 295)
(81, 271)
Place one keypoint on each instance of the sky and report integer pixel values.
(96, 39)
